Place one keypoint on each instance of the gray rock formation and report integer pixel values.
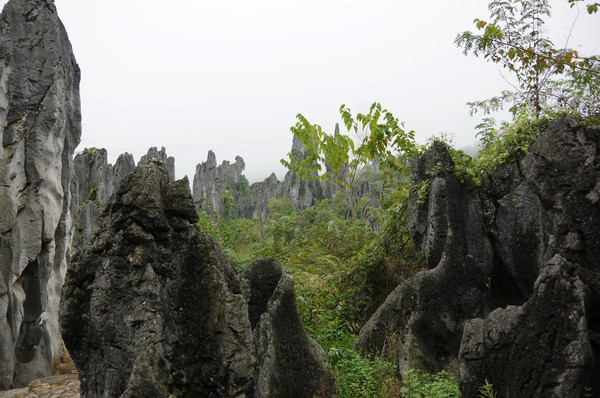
(211, 181)
(545, 228)
(40, 126)
(418, 325)
(256, 205)
(540, 349)
(154, 155)
(151, 307)
(94, 180)
(526, 244)
(289, 362)
(543, 205)
(303, 193)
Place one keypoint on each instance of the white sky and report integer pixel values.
(194, 75)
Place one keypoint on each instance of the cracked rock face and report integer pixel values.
(545, 231)
(539, 349)
(151, 306)
(526, 245)
(40, 126)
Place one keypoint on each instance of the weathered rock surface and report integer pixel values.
(289, 362)
(40, 126)
(546, 204)
(94, 180)
(417, 324)
(526, 244)
(256, 205)
(211, 181)
(546, 235)
(151, 307)
(161, 157)
(540, 349)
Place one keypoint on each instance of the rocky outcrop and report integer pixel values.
(94, 181)
(256, 205)
(417, 325)
(289, 362)
(302, 192)
(540, 349)
(525, 245)
(211, 181)
(152, 308)
(545, 229)
(161, 157)
(40, 126)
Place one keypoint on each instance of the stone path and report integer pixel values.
(60, 386)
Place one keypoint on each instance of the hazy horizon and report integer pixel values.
(231, 76)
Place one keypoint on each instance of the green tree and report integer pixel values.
(514, 38)
(228, 205)
(380, 137)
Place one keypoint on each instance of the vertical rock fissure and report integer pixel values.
(29, 334)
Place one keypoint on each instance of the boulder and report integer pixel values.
(40, 126)
(151, 307)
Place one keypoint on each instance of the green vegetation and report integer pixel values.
(342, 269)
(418, 384)
(487, 391)
(92, 152)
(549, 80)
(381, 137)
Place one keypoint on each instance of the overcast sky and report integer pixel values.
(230, 76)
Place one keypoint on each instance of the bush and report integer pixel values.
(360, 377)
(418, 384)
